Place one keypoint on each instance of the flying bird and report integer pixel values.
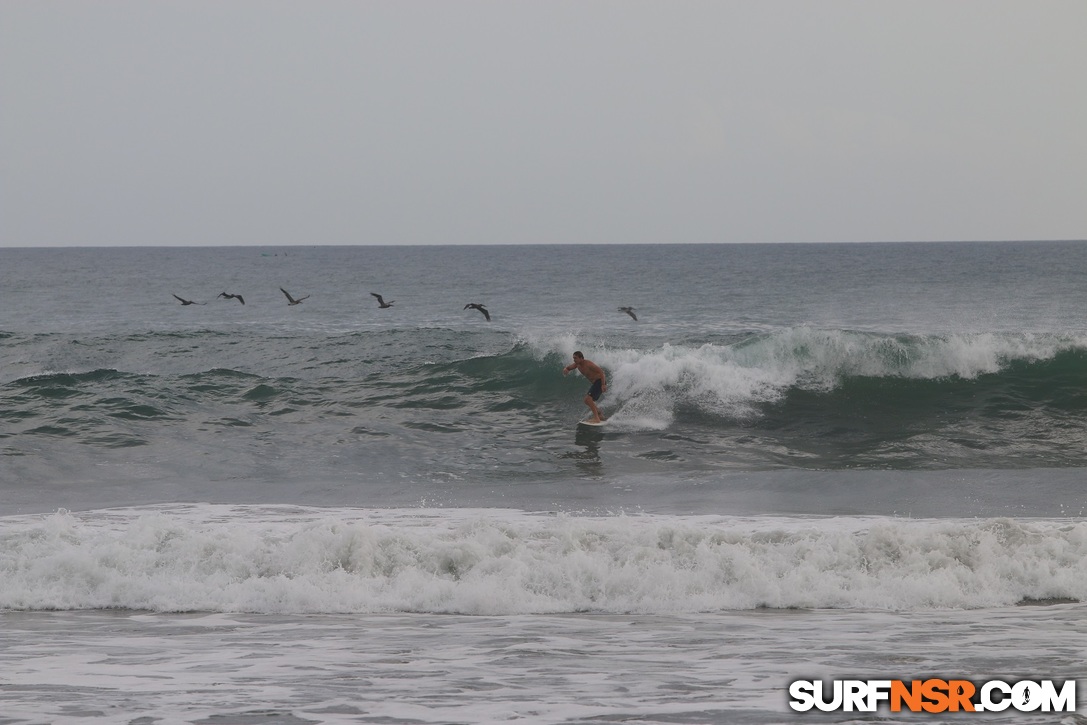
(480, 307)
(292, 300)
(629, 311)
(184, 301)
(232, 297)
(381, 301)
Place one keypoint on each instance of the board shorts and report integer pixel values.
(596, 390)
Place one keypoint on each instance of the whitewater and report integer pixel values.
(282, 560)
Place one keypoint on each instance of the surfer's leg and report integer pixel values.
(597, 418)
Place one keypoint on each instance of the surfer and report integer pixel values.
(595, 374)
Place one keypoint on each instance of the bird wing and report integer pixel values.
(289, 298)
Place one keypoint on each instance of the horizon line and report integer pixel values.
(288, 245)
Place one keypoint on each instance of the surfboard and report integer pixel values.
(594, 424)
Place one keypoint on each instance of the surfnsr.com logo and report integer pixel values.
(933, 695)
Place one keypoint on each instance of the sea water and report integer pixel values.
(831, 461)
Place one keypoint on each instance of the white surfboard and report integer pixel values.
(592, 423)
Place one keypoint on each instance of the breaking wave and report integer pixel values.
(295, 560)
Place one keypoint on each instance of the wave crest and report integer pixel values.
(737, 378)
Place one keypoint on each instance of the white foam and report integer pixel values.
(732, 380)
(291, 560)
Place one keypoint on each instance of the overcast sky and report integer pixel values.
(541, 121)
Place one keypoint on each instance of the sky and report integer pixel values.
(265, 122)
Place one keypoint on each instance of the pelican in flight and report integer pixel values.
(381, 301)
(184, 301)
(480, 307)
(629, 311)
(224, 295)
(292, 300)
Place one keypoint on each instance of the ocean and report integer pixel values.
(821, 461)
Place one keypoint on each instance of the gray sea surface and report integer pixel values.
(821, 461)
